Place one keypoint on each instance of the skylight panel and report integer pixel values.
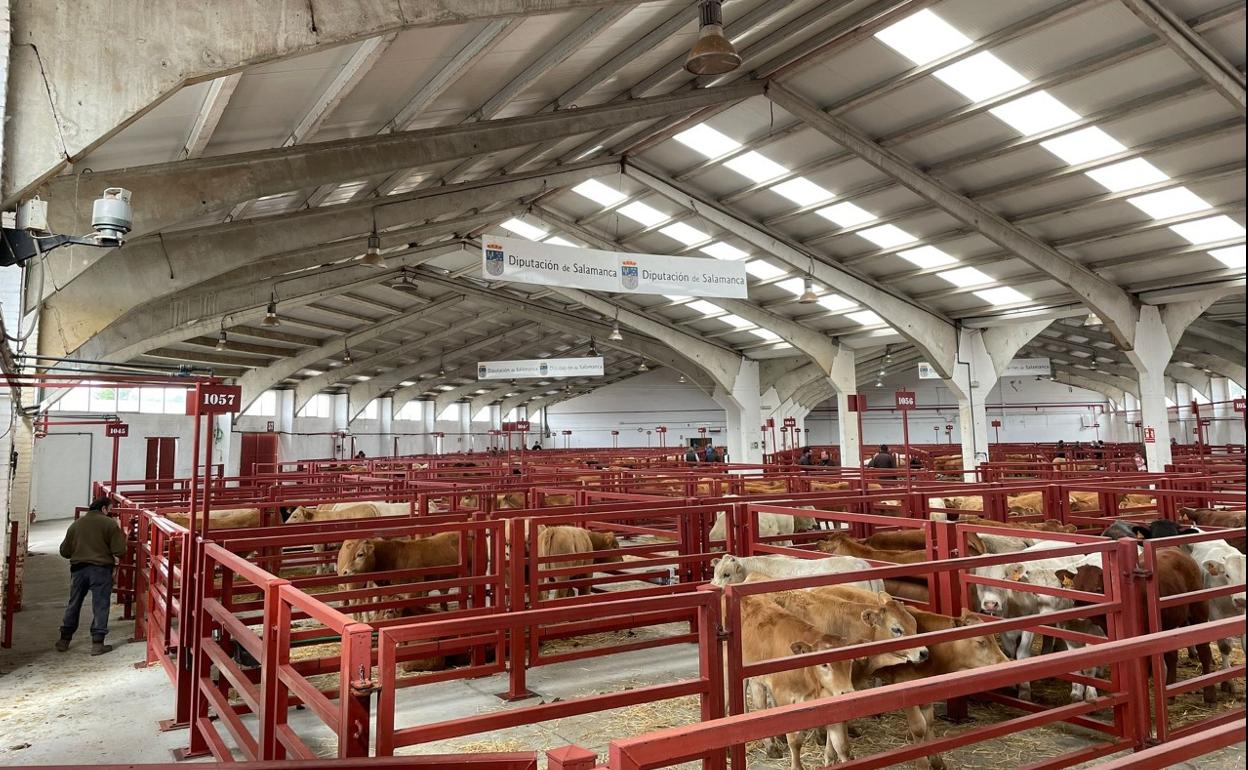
(724, 251)
(927, 257)
(560, 241)
(707, 141)
(599, 193)
(735, 320)
(646, 215)
(704, 307)
(980, 77)
(1002, 295)
(922, 37)
(836, 303)
(524, 229)
(794, 286)
(1127, 175)
(766, 334)
(802, 191)
(1219, 228)
(755, 167)
(1169, 203)
(1232, 256)
(887, 236)
(1084, 145)
(1034, 113)
(676, 297)
(865, 317)
(966, 276)
(764, 270)
(846, 214)
(684, 233)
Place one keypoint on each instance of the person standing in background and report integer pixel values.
(92, 544)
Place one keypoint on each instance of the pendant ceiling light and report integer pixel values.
(346, 352)
(643, 367)
(270, 313)
(222, 339)
(615, 335)
(681, 379)
(372, 253)
(593, 347)
(712, 54)
(808, 292)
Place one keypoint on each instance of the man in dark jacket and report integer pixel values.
(883, 459)
(691, 455)
(709, 454)
(92, 544)
(807, 457)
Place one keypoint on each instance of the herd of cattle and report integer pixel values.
(786, 623)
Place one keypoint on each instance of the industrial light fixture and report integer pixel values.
(270, 313)
(593, 347)
(681, 379)
(346, 352)
(615, 335)
(1092, 320)
(808, 292)
(372, 253)
(879, 383)
(643, 367)
(712, 54)
(222, 339)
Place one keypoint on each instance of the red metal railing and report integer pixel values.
(10, 586)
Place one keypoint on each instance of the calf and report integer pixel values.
(943, 658)
(1177, 573)
(768, 632)
(225, 518)
(568, 540)
(735, 569)
(1211, 517)
(769, 524)
(916, 539)
(844, 545)
(359, 557)
(340, 512)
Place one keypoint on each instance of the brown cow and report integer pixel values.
(561, 540)
(916, 539)
(851, 612)
(767, 632)
(1048, 525)
(1177, 573)
(1213, 517)
(842, 544)
(943, 658)
(357, 557)
(225, 518)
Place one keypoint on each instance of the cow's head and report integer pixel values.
(301, 515)
(1226, 571)
(728, 570)
(357, 556)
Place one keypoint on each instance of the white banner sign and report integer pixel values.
(1028, 367)
(523, 261)
(540, 367)
(1019, 367)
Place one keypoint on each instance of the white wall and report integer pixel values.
(642, 402)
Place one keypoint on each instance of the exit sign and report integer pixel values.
(906, 400)
(116, 430)
(1150, 435)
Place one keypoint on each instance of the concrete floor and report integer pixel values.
(72, 708)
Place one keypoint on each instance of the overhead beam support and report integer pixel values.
(1199, 54)
(1109, 301)
(210, 112)
(167, 193)
(360, 64)
(58, 114)
(928, 331)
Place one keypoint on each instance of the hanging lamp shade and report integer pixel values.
(712, 54)
(372, 254)
(222, 339)
(615, 335)
(808, 292)
(270, 315)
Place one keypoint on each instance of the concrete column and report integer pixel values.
(465, 427)
(496, 417)
(429, 444)
(385, 417)
(743, 415)
(973, 378)
(1151, 355)
(225, 444)
(1223, 415)
(844, 378)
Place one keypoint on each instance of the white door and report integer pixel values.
(62, 475)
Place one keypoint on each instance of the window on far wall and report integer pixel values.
(264, 406)
(369, 412)
(317, 406)
(410, 411)
(451, 412)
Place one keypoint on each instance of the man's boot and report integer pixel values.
(99, 648)
(62, 644)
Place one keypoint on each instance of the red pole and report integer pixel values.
(184, 682)
(905, 439)
(113, 479)
(862, 402)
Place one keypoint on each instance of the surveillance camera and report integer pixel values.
(112, 217)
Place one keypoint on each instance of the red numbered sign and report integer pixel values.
(567, 433)
(703, 430)
(1240, 405)
(1150, 435)
(217, 399)
(790, 422)
(948, 428)
(661, 429)
(116, 430)
(906, 400)
(615, 433)
(996, 423)
(270, 426)
(771, 422)
(523, 426)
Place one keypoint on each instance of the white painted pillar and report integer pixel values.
(428, 424)
(225, 444)
(465, 426)
(1223, 416)
(385, 419)
(844, 380)
(974, 376)
(496, 416)
(1151, 356)
(743, 415)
